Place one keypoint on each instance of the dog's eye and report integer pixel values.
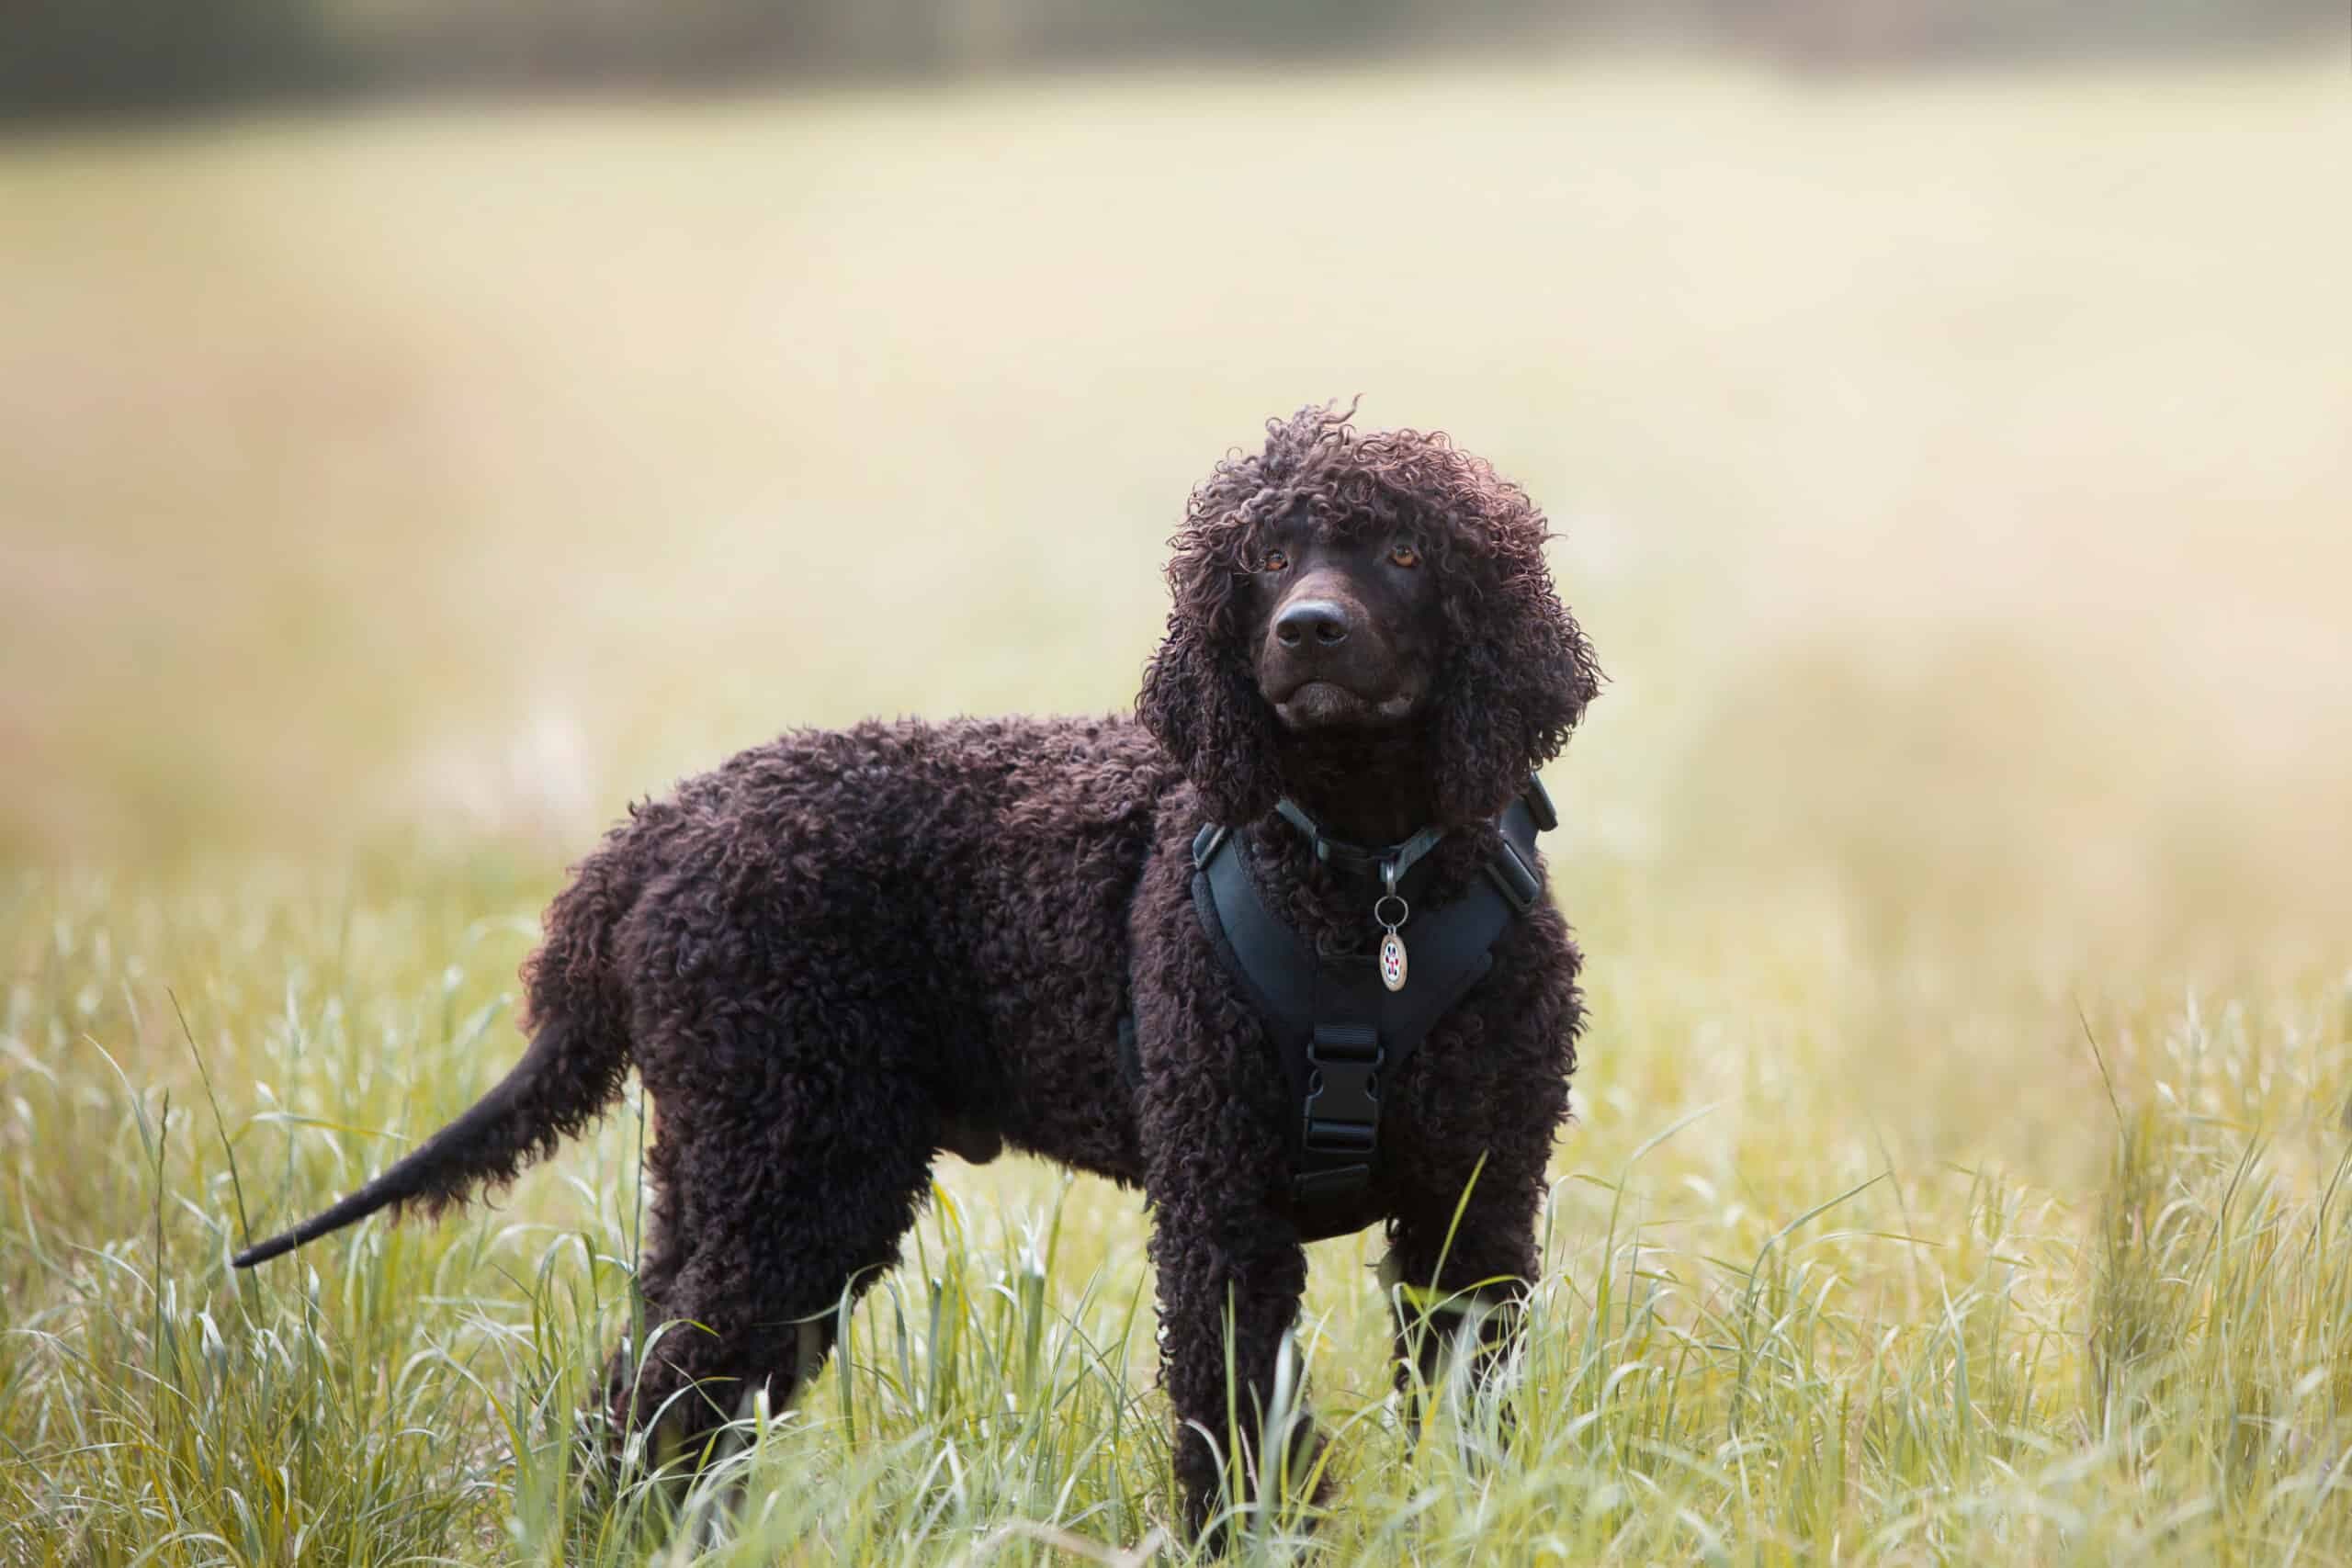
(1404, 554)
(1276, 560)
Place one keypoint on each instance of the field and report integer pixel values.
(1953, 473)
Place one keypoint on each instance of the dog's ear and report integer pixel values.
(1517, 678)
(1200, 695)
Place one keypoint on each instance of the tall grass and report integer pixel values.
(1782, 1345)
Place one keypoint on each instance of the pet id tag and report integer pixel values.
(1392, 946)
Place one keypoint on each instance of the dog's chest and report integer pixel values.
(1346, 1024)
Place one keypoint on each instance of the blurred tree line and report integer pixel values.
(64, 56)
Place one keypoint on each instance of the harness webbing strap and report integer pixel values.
(1390, 863)
(1336, 1032)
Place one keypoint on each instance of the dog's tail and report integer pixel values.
(578, 1056)
(550, 1092)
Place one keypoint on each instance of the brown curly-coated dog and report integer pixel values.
(844, 951)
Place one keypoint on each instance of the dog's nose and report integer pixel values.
(1319, 618)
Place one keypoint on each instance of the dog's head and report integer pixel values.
(1336, 588)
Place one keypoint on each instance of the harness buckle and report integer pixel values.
(1517, 881)
(1340, 1137)
(1342, 1109)
(1546, 816)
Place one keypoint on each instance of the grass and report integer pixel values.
(1950, 472)
(1758, 1336)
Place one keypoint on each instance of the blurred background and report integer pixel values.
(425, 426)
(142, 55)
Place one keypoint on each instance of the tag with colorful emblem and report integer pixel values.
(1392, 946)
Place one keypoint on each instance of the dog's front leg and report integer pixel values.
(1231, 1273)
(1212, 1113)
(1457, 1280)
(1463, 1253)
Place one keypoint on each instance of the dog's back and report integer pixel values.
(944, 903)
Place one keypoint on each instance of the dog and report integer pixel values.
(1144, 947)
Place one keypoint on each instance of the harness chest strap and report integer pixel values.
(1336, 1030)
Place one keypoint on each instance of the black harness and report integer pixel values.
(1335, 1028)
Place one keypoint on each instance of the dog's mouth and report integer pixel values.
(1326, 705)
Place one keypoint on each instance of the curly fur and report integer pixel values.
(747, 946)
(1518, 672)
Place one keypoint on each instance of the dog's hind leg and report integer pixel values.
(777, 1203)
